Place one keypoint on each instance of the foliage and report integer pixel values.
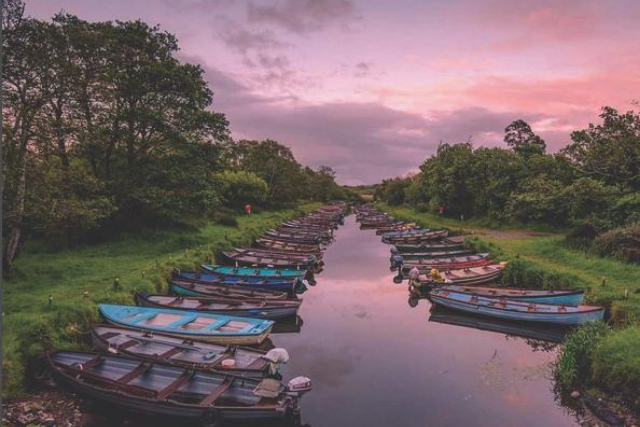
(623, 242)
(615, 361)
(592, 181)
(541, 200)
(519, 136)
(105, 129)
(574, 362)
(609, 151)
(240, 187)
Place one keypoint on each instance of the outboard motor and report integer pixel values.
(276, 358)
(397, 261)
(394, 250)
(299, 385)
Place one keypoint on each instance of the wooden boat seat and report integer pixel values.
(88, 364)
(138, 371)
(175, 385)
(216, 393)
(108, 335)
(170, 353)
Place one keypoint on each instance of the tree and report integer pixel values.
(239, 188)
(610, 151)
(521, 139)
(274, 163)
(26, 82)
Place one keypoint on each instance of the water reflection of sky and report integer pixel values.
(375, 361)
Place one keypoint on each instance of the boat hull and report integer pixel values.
(567, 319)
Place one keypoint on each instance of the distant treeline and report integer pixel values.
(104, 129)
(592, 185)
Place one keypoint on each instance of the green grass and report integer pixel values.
(79, 278)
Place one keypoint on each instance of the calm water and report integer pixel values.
(375, 361)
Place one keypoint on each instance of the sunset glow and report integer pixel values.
(371, 87)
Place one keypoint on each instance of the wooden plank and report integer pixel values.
(139, 370)
(175, 385)
(170, 353)
(216, 393)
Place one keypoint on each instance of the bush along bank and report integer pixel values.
(52, 300)
(595, 356)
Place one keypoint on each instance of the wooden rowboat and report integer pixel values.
(444, 245)
(291, 286)
(267, 243)
(441, 263)
(259, 308)
(546, 296)
(468, 276)
(416, 239)
(279, 253)
(162, 390)
(156, 347)
(192, 288)
(517, 310)
(256, 272)
(205, 326)
(270, 261)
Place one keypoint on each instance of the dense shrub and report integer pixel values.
(582, 235)
(616, 361)
(574, 362)
(239, 188)
(623, 242)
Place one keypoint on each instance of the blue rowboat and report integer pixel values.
(292, 286)
(257, 272)
(546, 296)
(189, 324)
(517, 310)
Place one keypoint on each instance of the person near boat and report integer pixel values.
(436, 277)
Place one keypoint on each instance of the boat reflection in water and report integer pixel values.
(543, 338)
(289, 325)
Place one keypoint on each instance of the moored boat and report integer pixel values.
(163, 390)
(291, 286)
(260, 308)
(453, 262)
(253, 271)
(193, 288)
(205, 326)
(157, 347)
(416, 239)
(468, 276)
(517, 310)
(546, 296)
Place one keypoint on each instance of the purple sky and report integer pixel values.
(371, 87)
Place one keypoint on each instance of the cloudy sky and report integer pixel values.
(370, 87)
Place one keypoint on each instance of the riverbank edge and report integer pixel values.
(523, 272)
(63, 324)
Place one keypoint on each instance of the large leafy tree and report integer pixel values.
(610, 151)
(101, 122)
(275, 164)
(519, 137)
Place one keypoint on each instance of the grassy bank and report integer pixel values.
(608, 360)
(52, 300)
